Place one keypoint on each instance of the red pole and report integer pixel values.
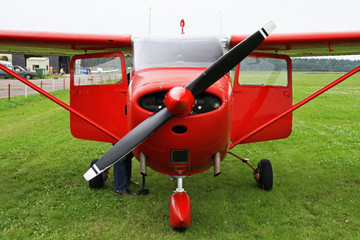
(41, 84)
(9, 92)
(64, 83)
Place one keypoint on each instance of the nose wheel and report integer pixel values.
(180, 208)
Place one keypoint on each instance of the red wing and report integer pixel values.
(61, 44)
(308, 44)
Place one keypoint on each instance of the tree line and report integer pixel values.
(323, 65)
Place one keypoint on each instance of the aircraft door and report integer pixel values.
(262, 90)
(98, 88)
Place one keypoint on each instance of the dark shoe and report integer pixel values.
(125, 192)
(131, 182)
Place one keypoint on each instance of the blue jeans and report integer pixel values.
(122, 172)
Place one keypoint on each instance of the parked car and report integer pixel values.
(24, 73)
(9, 66)
(18, 69)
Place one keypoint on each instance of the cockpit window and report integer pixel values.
(182, 51)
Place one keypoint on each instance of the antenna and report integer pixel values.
(220, 22)
(149, 20)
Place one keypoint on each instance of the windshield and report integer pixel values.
(20, 68)
(182, 51)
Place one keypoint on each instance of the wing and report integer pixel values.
(309, 44)
(61, 44)
(68, 44)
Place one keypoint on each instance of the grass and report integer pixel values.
(316, 192)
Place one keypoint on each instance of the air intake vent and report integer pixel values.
(179, 156)
(204, 102)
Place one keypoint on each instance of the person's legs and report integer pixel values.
(129, 166)
(120, 175)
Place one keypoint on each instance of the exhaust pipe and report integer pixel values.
(217, 160)
(143, 167)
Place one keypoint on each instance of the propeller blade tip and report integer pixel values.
(269, 28)
(90, 174)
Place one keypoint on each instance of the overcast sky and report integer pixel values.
(201, 17)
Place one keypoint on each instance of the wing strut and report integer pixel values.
(296, 106)
(59, 102)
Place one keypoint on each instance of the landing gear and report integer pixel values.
(263, 174)
(180, 208)
(143, 171)
(98, 181)
(264, 170)
(143, 190)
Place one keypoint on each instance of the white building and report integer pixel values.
(8, 56)
(37, 62)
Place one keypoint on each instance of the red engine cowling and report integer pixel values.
(183, 145)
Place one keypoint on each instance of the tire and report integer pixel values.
(2, 76)
(98, 181)
(265, 174)
(180, 230)
(28, 76)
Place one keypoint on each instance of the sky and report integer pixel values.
(159, 17)
(162, 17)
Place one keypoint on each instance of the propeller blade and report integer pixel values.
(228, 61)
(130, 141)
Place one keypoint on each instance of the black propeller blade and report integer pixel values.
(228, 61)
(141, 132)
(130, 141)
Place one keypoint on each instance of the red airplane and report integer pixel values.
(179, 111)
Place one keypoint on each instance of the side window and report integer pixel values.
(263, 71)
(96, 71)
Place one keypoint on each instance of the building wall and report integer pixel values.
(57, 62)
(33, 63)
(19, 60)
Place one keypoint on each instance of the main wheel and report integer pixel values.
(265, 174)
(99, 180)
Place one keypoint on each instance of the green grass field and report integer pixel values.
(316, 193)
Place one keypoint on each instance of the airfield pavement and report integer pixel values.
(18, 88)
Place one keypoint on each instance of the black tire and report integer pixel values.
(2, 76)
(98, 181)
(265, 174)
(28, 76)
(180, 230)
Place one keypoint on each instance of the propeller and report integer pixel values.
(179, 101)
